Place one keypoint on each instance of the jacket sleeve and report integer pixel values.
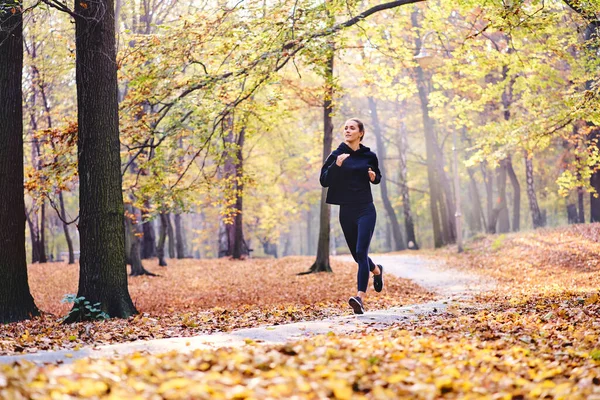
(375, 168)
(329, 170)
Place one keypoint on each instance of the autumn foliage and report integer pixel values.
(199, 296)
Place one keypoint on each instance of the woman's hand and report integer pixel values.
(341, 158)
(372, 175)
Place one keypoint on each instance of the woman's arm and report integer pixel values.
(329, 170)
(375, 168)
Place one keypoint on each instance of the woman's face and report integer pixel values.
(351, 131)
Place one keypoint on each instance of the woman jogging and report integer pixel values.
(349, 172)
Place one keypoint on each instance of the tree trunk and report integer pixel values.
(322, 264)
(42, 241)
(536, 215)
(478, 219)
(33, 233)
(444, 217)
(516, 225)
(162, 235)
(449, 211)
(149, 238)
(309, 233)
(133, 230)
(489, 191)
(387, 204)
(239, 244)
(63, 215)
(409, 225)
(499, 222)
(179, 235)
(171, 235)
(434, 194)
(581, 212)
(16, 302)
(103, 272)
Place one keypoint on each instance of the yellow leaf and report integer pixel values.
(91, 388)
(174, 384)
(399, 377)
(341, 390)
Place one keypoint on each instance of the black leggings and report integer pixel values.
(358, 224)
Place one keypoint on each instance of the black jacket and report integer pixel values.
(350, 183)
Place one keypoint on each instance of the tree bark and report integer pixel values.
(536, 215)
(103, 272)
(179, 235)
(16, 302)
(322, 263)
(516, 224)
(162, 235)
(387, 204)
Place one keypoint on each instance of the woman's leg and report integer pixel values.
(349, 226)
(348, 220)
(366, 227)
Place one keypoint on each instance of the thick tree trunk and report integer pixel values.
(103, 273)
(322, 264)
(63, 215)
(536, 215)
(387, 204)
(16, 302)
(516, 224)
(179, 235)
(162, 235)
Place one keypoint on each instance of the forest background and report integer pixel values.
(226, 110)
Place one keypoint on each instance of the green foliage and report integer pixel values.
(83, 309)
(498, 242)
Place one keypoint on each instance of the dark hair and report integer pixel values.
(361, 126)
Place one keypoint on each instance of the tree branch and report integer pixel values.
(575, 6)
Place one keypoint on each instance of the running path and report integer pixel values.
(451, 285)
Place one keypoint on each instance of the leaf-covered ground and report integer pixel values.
(192, 297)
(535, 336)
